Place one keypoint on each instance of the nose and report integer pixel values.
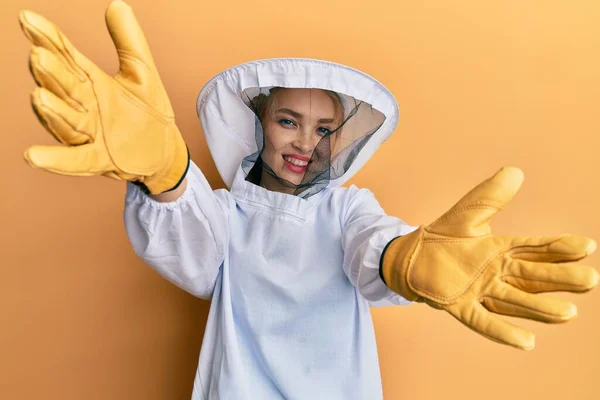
(305, 142)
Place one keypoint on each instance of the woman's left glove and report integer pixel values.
(457, 265)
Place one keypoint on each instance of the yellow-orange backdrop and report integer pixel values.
(480, 84)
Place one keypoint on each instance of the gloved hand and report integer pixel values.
(122, 127)
(457, 265)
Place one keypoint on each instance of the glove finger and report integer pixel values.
(76, 160)
(65, 124)
(551, 249)
(470, 216)
(537, 277)
(44, 33)
(476, 317)
(130, 42)
(49, 72)
(507, 300)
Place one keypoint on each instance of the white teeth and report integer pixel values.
(295, 161)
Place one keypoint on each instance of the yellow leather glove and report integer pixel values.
(457, 265)
(122, 127)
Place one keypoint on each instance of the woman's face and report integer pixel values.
(293, 124)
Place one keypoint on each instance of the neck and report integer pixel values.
(270, 183)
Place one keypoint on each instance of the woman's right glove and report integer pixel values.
(122, 127)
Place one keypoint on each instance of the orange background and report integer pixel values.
(480, 84)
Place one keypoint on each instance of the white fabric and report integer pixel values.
(290, 279)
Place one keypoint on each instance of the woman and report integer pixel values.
(290, 259)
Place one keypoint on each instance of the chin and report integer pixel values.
(293, 179)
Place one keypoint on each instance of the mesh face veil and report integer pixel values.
(294, 125)
(305, 137)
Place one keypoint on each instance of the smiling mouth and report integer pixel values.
(295, 165)
(295, 161)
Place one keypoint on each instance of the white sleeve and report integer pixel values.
(366, 232)
(184, 240)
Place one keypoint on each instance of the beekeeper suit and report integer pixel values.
(290, 259)
(290, 275)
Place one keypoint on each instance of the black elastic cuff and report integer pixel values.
(381, 259)
(142, 187)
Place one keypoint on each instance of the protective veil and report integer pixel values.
(290, 272)
(233, 104)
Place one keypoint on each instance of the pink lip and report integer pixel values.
(297, 157)
(295, 168)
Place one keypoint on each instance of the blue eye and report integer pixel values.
(325, 131)
(286, 122)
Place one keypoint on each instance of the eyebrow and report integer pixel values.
(297, 115)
